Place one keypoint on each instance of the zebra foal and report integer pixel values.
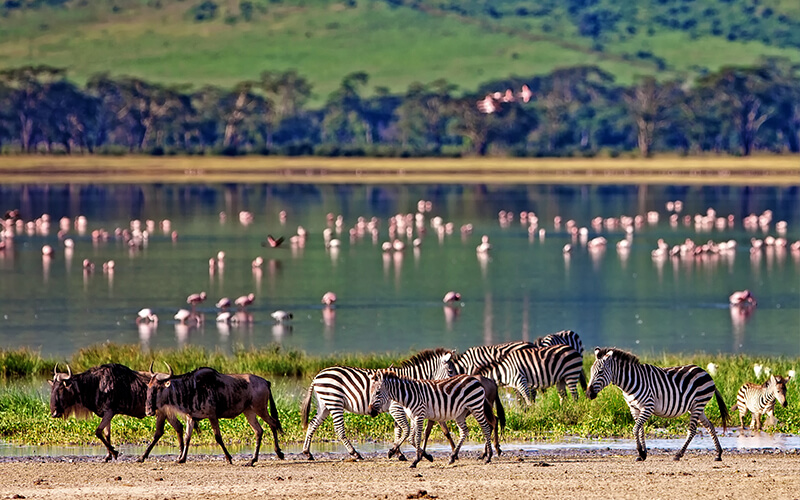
(344, 388)
(652, 390)
(453, 398)
(760, 399)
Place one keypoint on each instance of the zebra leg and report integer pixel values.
(692, 431)
(485, 421)
(401, 430)
(338, 425)
(428, 428)
(416, 438)
(463, 432)
(708, 425)
(742, 412)
(640, 418)
(322, 414)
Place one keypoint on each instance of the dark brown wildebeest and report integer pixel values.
(206, 393)
(106, 391)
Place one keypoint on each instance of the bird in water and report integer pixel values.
(244, 301)
(272, 242)
(282, 316)
(329, 298)
(451, 297)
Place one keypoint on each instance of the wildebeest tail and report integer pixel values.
(501, 412)
(305, 408)
(723, 409)
(273, 411)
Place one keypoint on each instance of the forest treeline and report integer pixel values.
(575, 111)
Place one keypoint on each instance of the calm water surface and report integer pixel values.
(524, 288)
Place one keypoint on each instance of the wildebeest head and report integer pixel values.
(64, 393)
(159, 383)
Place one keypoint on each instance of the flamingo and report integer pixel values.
(183, 315)
(224, 303)
(146, 315)
(245, 300)
(744, 297)
(485, 246)
(281, 316)
(195, 298)
(272, 242)
(451, 297)
(329, 298)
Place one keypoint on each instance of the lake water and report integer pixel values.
(526, 286)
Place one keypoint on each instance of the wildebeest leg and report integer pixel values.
(251, 418)
(322, 414)
(274, 425)
(218, 437)
(103, 433)
(161, 418)
(186, 440)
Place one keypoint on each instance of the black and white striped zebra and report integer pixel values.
(567, 337)
(529, 370)
(343, 388)
(453, 398)
(760, 399)
(470, 360)
(652, 390)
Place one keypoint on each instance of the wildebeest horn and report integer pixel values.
(151, 368)
(55, 371)
(169, 368)
(69, 372)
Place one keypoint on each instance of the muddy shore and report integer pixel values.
(516, 474)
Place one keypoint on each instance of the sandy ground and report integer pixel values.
(516, 474)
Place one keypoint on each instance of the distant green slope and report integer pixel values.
(396, 43)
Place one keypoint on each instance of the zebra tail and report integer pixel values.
(305, 408)
(501, 412)
(273, 411)
(723, 409)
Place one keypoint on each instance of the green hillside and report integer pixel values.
(397, 42)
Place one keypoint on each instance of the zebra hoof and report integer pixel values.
(640, 459)
(427, 456)
(308, 455)
(402, 458)
(280, 454)
(718, 459)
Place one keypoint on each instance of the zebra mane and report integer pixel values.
(422, 356)
(623, 356)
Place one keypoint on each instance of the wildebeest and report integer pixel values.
(106, 390)
(206, 393)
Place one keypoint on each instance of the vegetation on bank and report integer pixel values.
(24, 413)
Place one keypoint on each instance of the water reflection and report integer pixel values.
(665, 284)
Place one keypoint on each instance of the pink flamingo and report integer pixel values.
(451, 297)
(744, 297)
(244, 301)
(329, 298)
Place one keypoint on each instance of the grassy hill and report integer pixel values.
(397, 42)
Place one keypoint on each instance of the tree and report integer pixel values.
(26, 93)
(287, 93)
(650, 104)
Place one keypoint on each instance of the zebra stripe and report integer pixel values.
(529, 370)
(760, 399)
(475, 357)
(343, 388)
(566, 337)
(454, 398)
(652, 390)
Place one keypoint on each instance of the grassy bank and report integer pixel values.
(707, 170)
(24, 414)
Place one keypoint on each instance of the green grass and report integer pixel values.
(24, 414)
(325, 41)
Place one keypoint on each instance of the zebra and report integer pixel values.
(567, 337)
(344, 388)
(492, 395)
(529, 370)
(470, 360)
(453, 398)
(664, 392)
(760, 399)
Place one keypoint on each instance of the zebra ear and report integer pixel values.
(598, 352)
(447, 357)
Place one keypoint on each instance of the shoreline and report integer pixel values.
(778, 170)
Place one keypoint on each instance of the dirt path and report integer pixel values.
(514, 475)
